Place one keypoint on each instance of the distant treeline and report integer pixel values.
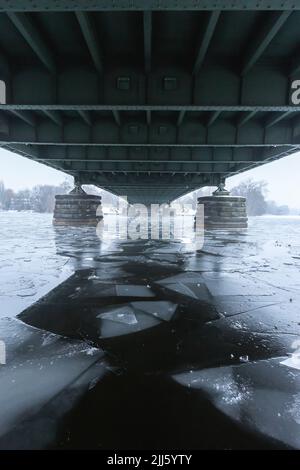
(256, 194)
(42, 198)
(254, 191)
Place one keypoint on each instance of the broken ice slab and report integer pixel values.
(95, 289)
(120, 315)
(293, 361)
(172, 258)
(280, 319)
(187, 284)
(124, 320)
(129, 290)
(263, 396)
(231, 305)
(40, 367)
(194, 291)
(164, 310)
(186, 277)
(221, 284)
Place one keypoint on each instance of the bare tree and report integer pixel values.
(255, 193)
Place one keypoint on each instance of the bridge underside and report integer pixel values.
(149, 99)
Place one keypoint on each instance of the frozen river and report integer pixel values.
(29, 263)
(185, 348)
(32, 263)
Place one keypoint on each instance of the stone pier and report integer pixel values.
(77, 208)
(222, 211)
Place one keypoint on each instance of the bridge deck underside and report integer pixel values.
(149, 102)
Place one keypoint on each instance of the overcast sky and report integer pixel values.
(282, 176)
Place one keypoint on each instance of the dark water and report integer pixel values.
(152, 344)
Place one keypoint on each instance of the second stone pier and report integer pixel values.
(222, 211)
(77, 208)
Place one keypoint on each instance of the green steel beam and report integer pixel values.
(4, 126)
(263, 39)
(168, 181)
(215, 121)
(28, 119)
(205, 40)
(5, 67)
(180, 118)
(147, 17)
(295, 68)
(27, 151)
(91, 39)
(148, 117)
(271, 122)
(32, 36)
(138, 5)
(268, 157)
(243, 120)
(211, 87)
(152, 168)
(171, 164)
(174, 168)
(144, 108)
(105, 133)
(116, 116)
(86, 116)
(205, 155)
(272, 153)
(137, 146)
(55, 117)
(214, 116)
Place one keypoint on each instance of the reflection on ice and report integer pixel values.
(293, 361)
(195, 291)
(188, 284)
(133, 291)
(134, 317)
(224, 387)
(262, 396)
(120, 315)
(40, 371)
(188, 277)
(132, 322)
(161, 309)
(29, 264)
(219, 310)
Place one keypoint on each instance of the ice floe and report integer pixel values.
(120, 315)
(128, 290)
(254, 394)
(164, 310)
(134, 317)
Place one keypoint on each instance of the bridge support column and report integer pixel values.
(77, 208)
(222, 211)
